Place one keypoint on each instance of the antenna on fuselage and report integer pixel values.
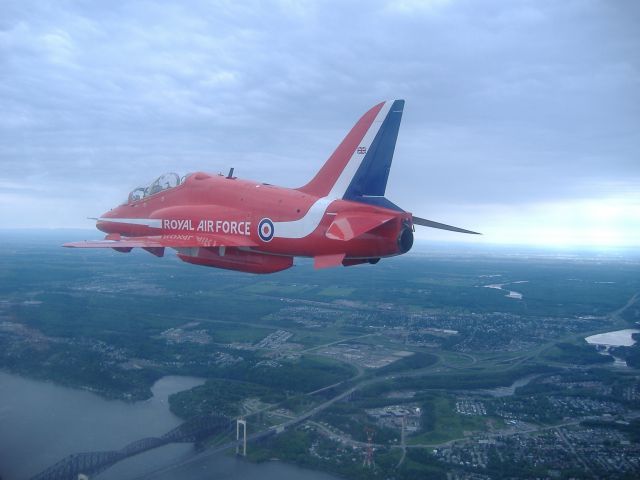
(230, 175)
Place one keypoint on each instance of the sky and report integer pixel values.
(522, 118)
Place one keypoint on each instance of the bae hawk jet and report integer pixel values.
(341, 217)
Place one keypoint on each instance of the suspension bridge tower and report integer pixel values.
(368, 457)
(241, 422)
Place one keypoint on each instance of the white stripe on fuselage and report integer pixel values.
(149, 222)
(304, 226)
(309, 222)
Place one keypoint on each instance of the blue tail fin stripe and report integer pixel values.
(372, 175)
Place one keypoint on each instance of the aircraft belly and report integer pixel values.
(242, 260)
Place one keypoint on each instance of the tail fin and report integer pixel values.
(359, 168)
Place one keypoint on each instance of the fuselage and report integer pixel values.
(279, 221)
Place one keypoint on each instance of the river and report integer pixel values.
(507, 391)
(620, 338)
(41, 423)
(512, 293)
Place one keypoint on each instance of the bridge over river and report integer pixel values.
(91, 463)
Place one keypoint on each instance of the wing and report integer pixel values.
(161, 241)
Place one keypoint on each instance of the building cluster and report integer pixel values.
(595, 452)
(570, 406)
(275, 340)
(470, 406)
(109, 351)
(368, 356)
(315, 314)
(267, 364)
(477, 332)
(631, 393)
(594, 386)
(416, 335)
(553, 408)
(224, 359)
(180, 335)
(341, 454)
(472, 455)
(397, 416)
(604, 449)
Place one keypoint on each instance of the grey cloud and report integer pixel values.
(515, 102)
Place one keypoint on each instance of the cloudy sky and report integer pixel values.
(522, 118)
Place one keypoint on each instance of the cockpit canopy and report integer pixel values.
(160, 184)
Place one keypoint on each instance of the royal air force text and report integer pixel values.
(231, 227)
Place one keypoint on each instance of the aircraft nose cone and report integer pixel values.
(101, 225)
(106, 226)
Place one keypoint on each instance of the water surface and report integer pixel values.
(41, 423)
(619, 338)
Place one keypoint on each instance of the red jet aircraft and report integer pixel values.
(341, 217)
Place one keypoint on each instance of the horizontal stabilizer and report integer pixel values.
(159, 241)
(347, 226)
(430, 223)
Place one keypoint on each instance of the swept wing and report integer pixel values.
(160, 241)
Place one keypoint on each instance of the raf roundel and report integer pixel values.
(265, 230)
